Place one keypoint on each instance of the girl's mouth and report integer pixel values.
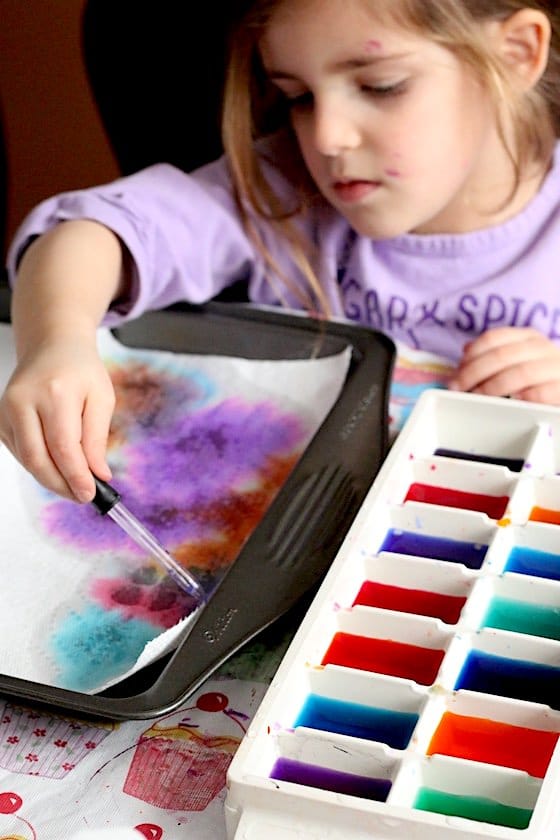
(349, 192)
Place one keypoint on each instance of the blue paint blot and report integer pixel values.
(93, 647)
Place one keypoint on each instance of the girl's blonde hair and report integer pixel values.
(252, 109)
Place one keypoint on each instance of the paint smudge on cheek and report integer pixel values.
(373, 45)
(393, 173)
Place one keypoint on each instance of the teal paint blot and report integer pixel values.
(93, 647)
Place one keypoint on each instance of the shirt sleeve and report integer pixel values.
(182, 231)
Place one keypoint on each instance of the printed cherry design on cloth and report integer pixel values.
(10, 803)
(213, 701)
(150, 831)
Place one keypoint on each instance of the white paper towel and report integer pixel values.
(79, 605)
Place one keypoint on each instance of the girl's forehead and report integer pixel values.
(308, 16)
(383, 11)
(332, 25)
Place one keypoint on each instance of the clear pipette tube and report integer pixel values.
(128, 522)
(107, 501)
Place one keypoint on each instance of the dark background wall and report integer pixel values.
(90, 89)
(54, 137)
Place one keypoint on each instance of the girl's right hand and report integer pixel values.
(55, 415)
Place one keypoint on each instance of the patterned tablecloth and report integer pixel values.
(165, 777)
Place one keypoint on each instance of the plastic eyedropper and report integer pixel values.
(108, 502)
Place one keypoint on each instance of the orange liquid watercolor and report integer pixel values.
(540, 514)
(503, 744)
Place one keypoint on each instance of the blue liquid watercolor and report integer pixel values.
(530, 561)
(513, 464)
(522, 617)
(359, 721)
(515, 678)
(468, 554)
(287, 770)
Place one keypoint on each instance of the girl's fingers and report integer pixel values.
(499, 337)
(537, 381)
(509, 367)
(29, 447)
(96, 421)
(542, 392)
(62, 430)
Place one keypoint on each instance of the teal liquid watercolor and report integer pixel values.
(371, 723)
(468, 554)
(515, 678)
(476, 808)
(530, 561)
(521, 617)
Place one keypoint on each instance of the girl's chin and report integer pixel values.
(376, 228)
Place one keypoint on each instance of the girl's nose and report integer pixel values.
(335, 129)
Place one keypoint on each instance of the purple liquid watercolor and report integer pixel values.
(310, 775)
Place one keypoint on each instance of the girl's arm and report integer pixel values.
(56, 409)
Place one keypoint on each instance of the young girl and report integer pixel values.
(394, 162)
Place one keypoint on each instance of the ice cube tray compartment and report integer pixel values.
(422, 690)
(517, 604)
(483, 794)
(489, 730)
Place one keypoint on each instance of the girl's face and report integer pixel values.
(395, 132)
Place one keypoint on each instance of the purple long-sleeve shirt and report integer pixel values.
(432, 293)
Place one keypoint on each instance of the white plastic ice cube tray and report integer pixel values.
(468, 698)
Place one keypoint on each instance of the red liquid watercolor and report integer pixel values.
(493, 506)
(384, 656)
(417, 601)
(504, 744)
(540, 514)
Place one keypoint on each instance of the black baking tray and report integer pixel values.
(288, 554)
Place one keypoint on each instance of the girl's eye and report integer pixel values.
(302, 100)
(385, 91)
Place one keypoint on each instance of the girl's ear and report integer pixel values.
(523, 40)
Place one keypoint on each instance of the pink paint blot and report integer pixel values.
(373, 44)
(162, 604)
(393, 173)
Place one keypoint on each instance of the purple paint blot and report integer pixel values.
(175, 478)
